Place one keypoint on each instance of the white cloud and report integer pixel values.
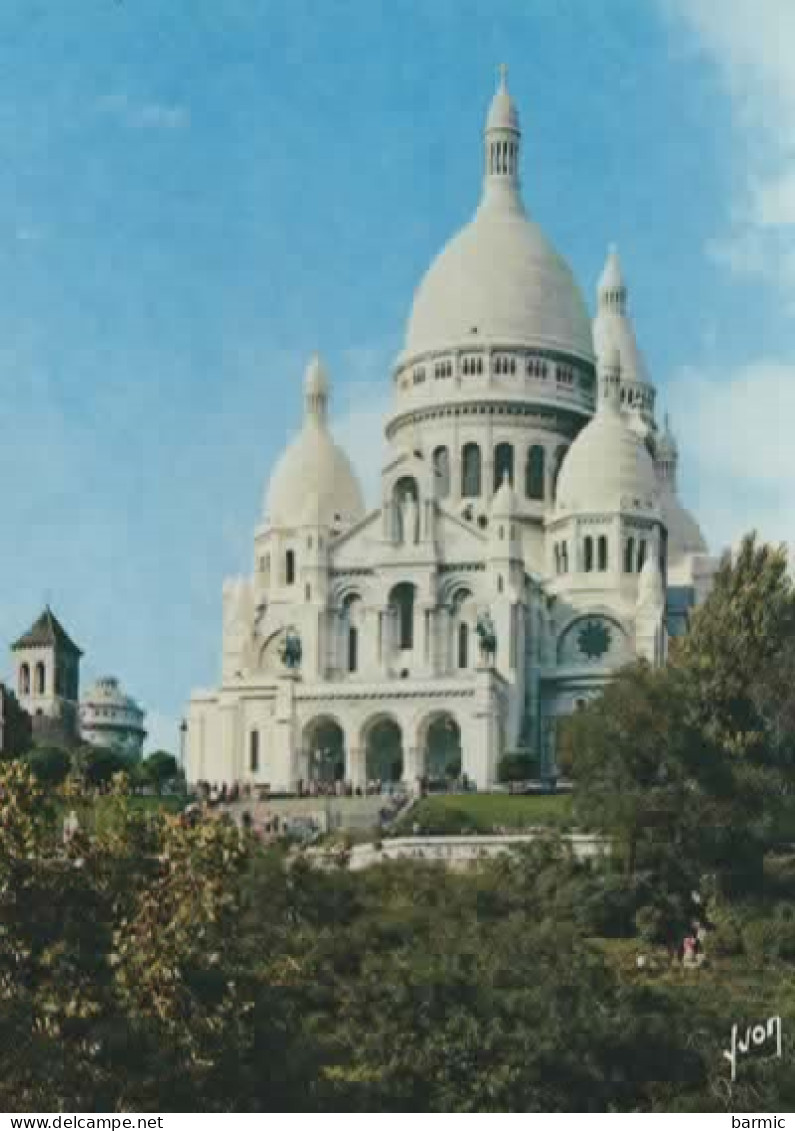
(734, 449)
(731, 420)
(144, 115)
(750, 44)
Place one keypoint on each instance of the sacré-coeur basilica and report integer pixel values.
(528, 540)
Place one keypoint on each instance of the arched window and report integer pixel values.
(602, 552)
(641, 554)
(557, 557)
(463, 645)
(289, 567)
(564, 557)
(24, 680)
(470, 471)
(560, 453)
(402, 602)
(588, 554)
(41, 679)
(534, 473)
(253, 751)
(629, 556)
(503, 464)
(353, 648)
(351, 614)
(441, 465)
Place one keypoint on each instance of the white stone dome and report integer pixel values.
(607, 468)
(684, 533)
(313, 482)
(499, 280)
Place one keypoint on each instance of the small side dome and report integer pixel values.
(313, 482)
(684, 533)
(607, 469)
(612, 277)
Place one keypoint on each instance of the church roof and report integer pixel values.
(46, 632)
(499, 279)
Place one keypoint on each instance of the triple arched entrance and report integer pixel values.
(387, 752)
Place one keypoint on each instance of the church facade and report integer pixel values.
(528, 541)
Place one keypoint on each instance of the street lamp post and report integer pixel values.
(183, 738)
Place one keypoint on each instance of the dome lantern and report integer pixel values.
(502, 140)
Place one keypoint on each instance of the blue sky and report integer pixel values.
(197, 195)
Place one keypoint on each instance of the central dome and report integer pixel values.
(500, 280)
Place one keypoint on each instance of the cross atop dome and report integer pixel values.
(316, 390)
(502, 79)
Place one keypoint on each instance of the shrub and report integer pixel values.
(760, 940)
(518, 765)
(50, 764)
(606, 905)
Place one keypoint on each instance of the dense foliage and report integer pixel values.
(158, 966)
(152, 964)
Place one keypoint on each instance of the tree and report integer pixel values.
(645, 774)
(49, 764)
(740, 632)
(159, 768)
(97, 764)
(518, 765)
(180, 971)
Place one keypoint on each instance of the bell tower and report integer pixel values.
(47, 668)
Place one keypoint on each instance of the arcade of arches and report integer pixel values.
(436, 757)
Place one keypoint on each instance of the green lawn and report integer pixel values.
(487, 812)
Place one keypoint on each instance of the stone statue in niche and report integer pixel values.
(291, 650)
(487, 636)
(409, 519)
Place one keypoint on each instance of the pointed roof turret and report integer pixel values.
(666, 457)
(612, 288)
(47, 632)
